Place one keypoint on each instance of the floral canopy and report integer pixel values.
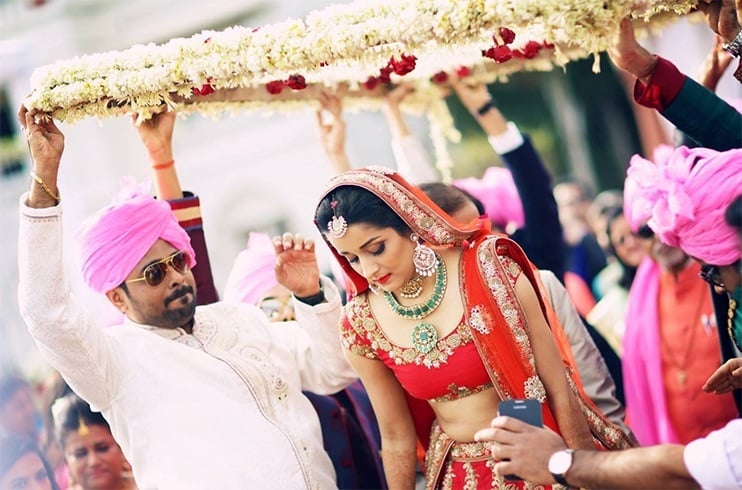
(357, 48)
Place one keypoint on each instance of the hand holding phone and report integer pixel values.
(527, 410)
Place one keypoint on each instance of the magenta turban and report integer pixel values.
(684, 200)
(116, 238)
(497, 191)
(253, 273)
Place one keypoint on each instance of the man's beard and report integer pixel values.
(183, 314)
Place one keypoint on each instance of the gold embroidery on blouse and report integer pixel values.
(456, 392)
(365, 330)
(470, 451)
(534, 389)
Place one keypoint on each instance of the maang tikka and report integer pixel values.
(424, 258)
(337, 226)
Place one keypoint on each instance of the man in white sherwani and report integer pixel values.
(198, 397)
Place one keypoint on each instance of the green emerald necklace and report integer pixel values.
(424, 335)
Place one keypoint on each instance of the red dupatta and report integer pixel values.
(501, 334)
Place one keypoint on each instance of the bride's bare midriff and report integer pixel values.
(461, 418)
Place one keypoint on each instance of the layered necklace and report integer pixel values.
(730, 323)
(424, 335)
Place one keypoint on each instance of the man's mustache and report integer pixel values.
(178, 293)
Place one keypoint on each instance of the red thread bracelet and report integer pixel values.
(162, 166)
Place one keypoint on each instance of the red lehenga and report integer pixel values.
(489, 348)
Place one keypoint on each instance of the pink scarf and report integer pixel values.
(646, 407)
(496, 189)
(253, 273)
(683, 199)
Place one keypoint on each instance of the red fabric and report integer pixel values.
(664, 85)
(579, 292)
(463, 368)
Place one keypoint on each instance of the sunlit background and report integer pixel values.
(264, 172)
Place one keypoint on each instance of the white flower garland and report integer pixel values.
(339, 45)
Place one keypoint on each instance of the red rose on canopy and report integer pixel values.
(370, 83)
(499, 53)
(384, 74)
(440, 77)
(205, 89)
(405, 64)
(507, 35)
(274, 87)
(463, 71)
(531, 49)
(296, 82)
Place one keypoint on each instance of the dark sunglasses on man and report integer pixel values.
(156, 272)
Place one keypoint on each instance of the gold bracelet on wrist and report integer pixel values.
(45, 187)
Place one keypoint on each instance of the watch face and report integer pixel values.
(560, 462)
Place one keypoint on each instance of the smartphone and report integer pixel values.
(528, 411)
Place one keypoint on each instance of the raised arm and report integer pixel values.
(46, 144)
(156, 135)
(541, 237)
(322, 365)
(693, 109)
(331, 127)
(63, 332)
(413, 162)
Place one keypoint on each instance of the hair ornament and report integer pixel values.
(337, 226)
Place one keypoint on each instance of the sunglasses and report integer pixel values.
(710, 274)
(273, 307)
(155, 273)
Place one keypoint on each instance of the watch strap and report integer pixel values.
(314, 299)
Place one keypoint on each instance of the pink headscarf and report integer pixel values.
(684, 200)
(636, 209)
(497, 191)
(116, 238)
(253, 272)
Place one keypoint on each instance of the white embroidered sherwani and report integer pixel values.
(219, 409)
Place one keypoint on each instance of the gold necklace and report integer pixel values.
(413, 288)
(730, 322)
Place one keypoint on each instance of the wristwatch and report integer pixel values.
(559, 464)
(314, 299)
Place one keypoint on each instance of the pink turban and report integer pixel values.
(114, 240)
(684, 200)
(636, 209)
(253, 273)
(497, 191)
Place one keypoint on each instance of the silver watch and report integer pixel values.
(559, 464)
(735, 46)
